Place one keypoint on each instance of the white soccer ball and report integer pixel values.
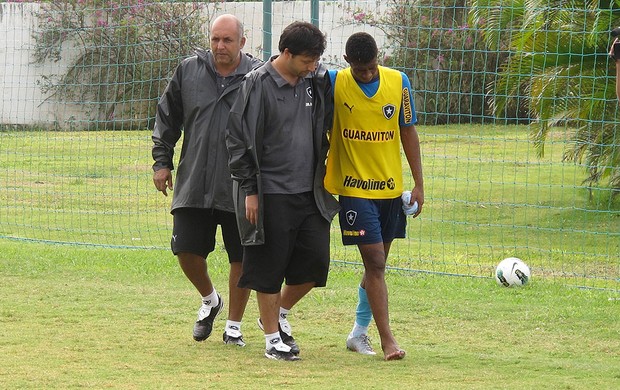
(512, 272)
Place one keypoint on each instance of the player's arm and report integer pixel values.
(167, 131)
(244, 120)
(332, 79)
(411, 144)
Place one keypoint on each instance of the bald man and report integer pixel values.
(197, 102)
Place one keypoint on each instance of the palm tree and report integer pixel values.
(558, 69)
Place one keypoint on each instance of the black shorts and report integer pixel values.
(194, 231)
(296, 245)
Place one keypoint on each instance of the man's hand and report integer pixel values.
(417, 195)
(251, 208)
(163, 180)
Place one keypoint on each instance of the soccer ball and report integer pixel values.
(512, 272)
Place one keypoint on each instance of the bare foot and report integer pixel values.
(396, 355)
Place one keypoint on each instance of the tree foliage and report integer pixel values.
(121, 54)
(446, 59)
(558, 69)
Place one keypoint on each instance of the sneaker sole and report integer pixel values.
(362, 353)
(295, 358)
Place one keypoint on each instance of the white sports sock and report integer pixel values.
(273, 340)
(358, 330)
(233, 328)
(284, 324)
(211, 299)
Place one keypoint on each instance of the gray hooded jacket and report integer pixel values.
(191, 103)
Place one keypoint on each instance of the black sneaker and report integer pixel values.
(286, 338)
(203, 327)
(274, 354)
(238, 341)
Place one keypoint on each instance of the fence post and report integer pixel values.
(267, 29)
(314, 12)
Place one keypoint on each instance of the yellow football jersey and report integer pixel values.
(364, 158)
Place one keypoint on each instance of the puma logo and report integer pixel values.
(349, 107)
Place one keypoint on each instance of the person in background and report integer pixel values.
(615, 56)
(373, 116)
(197, 102)
(277, 144)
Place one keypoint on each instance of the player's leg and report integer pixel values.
(358, 340)
(193, 238)
(195, 269)
(309, 266)
(275, 348)
(359, 224)
(237, 296)
(289, 297)
(393, 225)
(264, 268)
(238, 299)
(374, 258)
(291, 294)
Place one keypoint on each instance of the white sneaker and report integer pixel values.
(233, 340)
(206, 316)
(360, 344)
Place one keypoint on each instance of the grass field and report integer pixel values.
(106, 316)
(488, 196)
(84, 317)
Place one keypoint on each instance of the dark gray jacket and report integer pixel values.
(191, 103)
(246, 125)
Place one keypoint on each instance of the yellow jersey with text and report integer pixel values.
(364, 159)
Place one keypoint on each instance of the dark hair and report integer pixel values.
(302, 38)
(361, 48)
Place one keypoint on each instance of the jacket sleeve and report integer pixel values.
(246, 116)
(328, 96)
(168, 122)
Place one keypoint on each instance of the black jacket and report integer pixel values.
(192, 105)
(244, 138)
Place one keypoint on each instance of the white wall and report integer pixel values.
(23, 103)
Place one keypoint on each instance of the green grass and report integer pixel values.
(84, 317)
(488, 196)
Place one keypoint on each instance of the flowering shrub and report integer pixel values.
(122, 52)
